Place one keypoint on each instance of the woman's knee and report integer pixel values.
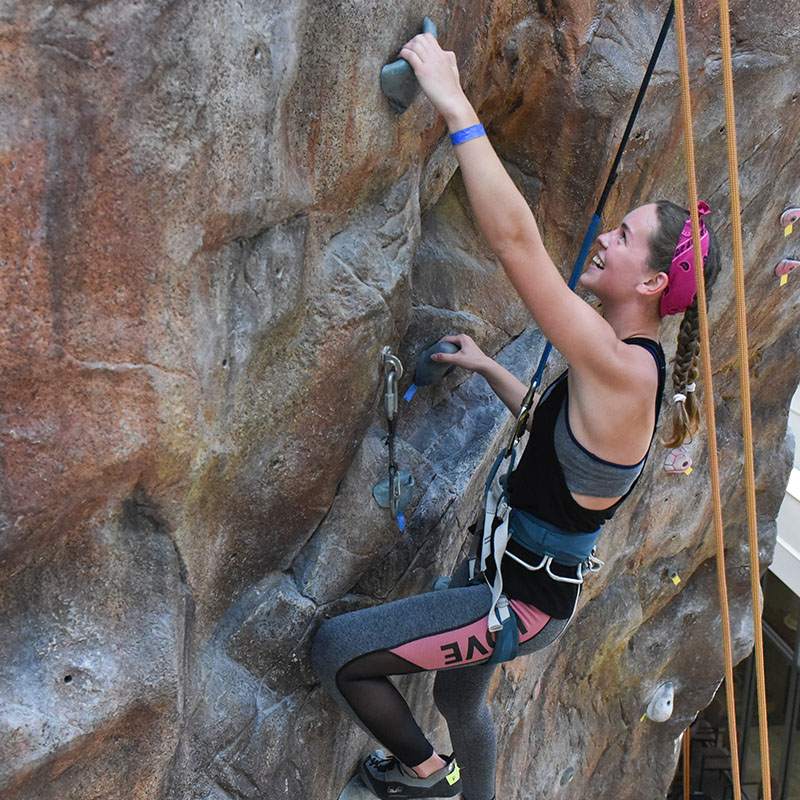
(462, 692)
(446, 692)
(325, 647)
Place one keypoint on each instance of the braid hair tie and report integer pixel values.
(680, 397)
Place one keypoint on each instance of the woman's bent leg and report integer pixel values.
(460, 696)
(354, 653)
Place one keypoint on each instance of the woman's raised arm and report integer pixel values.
(583, 337)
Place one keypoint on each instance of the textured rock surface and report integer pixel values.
(212, 225)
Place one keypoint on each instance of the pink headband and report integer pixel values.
(680, 292)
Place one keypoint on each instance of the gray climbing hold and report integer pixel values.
(382, 492)
(398, 81)
(659, 709)
(428, 371)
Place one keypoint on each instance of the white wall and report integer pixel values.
(787, 551)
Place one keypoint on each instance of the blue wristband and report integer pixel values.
(464, 135)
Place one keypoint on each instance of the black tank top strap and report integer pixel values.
(655, 350)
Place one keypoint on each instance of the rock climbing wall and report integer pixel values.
(212, 225)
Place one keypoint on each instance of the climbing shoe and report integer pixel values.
(387, 777)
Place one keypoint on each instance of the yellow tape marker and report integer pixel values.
(688, 471)
(455, 774)
(784, 280)
(788, 229)
(676, 579)
(644, 717)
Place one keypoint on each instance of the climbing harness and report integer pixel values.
(395, 491)
(500, 524)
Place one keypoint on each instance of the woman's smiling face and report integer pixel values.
(621, 260)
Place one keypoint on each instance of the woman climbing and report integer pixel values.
(589, 436)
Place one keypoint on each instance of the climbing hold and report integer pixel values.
(789, 216)
(398, 81)
(678, 461)
(672, 574)
(441, 583)
(785, 268)
(429, 371)
(356, 789)
(567, 776)
(659, 709)
(400, 487)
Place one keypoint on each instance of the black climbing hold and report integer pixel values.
(428, 371)
(567, 776)
(398, 81)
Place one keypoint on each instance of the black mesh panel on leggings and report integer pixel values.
(379, 705)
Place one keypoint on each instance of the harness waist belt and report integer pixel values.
(544, 539)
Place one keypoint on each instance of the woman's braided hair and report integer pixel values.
(672, 218)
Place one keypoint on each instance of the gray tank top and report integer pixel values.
(584, 472)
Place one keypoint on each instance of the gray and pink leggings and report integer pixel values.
(354, 654)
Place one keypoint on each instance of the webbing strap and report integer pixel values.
(537, 536)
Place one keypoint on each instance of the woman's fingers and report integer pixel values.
(436, 71)
(421, 43)
(469, 355)
(456, 338)
(424, 54)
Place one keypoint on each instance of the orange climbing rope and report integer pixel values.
(710, 417)
(687, 774)
(744, 380)
(705, 354)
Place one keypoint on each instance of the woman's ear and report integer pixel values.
(654, 284)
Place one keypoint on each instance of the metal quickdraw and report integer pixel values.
(394, 492)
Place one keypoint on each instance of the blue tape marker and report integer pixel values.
(401, 521)
(410, 393)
